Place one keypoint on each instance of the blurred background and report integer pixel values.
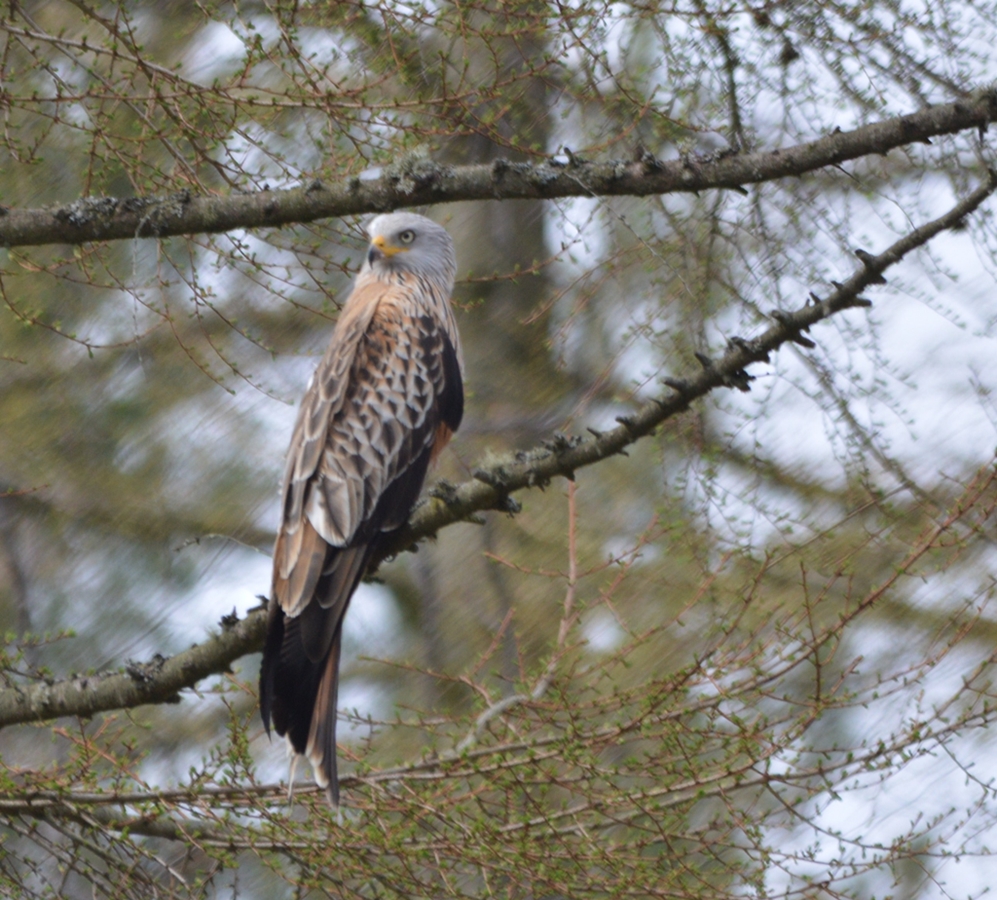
(775, 674)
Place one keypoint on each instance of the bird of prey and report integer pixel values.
(383, 402)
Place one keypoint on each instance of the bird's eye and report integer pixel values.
(406, 236)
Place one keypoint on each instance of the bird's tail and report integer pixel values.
(321, 746)
(299, 677)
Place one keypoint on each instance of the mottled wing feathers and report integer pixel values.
(388, 418)
(374, 404)
(297, 560)
(326, 394)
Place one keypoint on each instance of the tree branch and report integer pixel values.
(157, 681)
(417, 181)
(160, 680)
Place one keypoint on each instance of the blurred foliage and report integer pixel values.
(724, 665)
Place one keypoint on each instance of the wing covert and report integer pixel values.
(400, 388)
(296, 569)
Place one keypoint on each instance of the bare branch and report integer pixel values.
(418, 181)
(160, 680)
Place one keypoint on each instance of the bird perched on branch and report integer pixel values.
(383, 402)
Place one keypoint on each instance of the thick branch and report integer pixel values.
(417, 182)
(160, 680)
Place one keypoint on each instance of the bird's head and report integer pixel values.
(407, 242)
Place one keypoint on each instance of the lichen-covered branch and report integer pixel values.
(160, 680)
(418, 181)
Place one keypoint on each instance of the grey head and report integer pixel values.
(408, 242)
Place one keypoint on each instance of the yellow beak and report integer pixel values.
(387, 249)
